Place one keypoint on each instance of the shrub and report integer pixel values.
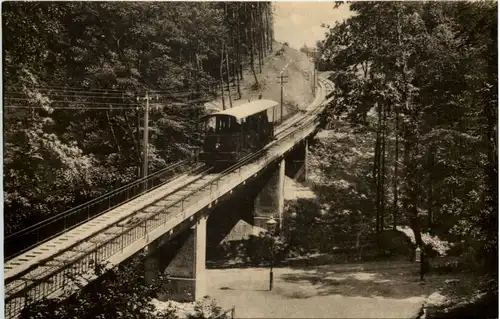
(395, 244)
(257, 249)
(434, 246)
(119, 292)
(207, 309)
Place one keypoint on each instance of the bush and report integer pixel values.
(304, 231)
(207, 309)
(119, 292)
(395, 244)
(257, 249)
(446, 265)
(433, 245)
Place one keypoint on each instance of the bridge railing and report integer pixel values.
(27, 238)
(54, 274)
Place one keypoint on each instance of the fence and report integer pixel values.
(25, 239)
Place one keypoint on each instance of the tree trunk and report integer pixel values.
(238, 82)
(430, 160)
(413, 197)
(490, 223)
(382, 170)
(228, 87)
(252, 47)
(258, 37)
(410, 147)
(266, 22)
(134, 137)
(222, 78)
(395, 207)
(376, 171)
(238, 47)
(233, 54)
(271, 26)
(139, 137)
(113, 133)
(410, 195)
(238, 72)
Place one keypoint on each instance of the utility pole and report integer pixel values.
(315, 58)
(145, 138)
(282, 79)
(314, 77)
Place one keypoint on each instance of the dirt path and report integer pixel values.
(375, 290)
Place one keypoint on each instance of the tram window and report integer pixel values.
(211, 125)
(262, 117)
(250, 123)
(224, 125)
(221, 124)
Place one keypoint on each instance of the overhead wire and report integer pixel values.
(106, 91)
(76, 102)
(78, 92)
(77, 96)
(68, 107)
(109, 96)
(67, 99)
(69, 88)
(82, 96)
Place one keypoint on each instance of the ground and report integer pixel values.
(368, 290)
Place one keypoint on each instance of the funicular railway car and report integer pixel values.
(234, 133)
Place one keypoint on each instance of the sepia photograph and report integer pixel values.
(266, 159)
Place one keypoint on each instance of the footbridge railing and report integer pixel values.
(32, 236)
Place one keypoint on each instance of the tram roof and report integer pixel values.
(247, 109)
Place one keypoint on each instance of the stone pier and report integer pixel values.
(182, 262)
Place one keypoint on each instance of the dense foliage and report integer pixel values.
(76, 75)
(120, 292)
(422, 77)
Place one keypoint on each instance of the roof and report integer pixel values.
(247, 109)
(241, 231)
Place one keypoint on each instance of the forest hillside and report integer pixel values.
(297, 91)
(77, 76)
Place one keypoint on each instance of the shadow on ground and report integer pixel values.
(397, 280)
(242, 289)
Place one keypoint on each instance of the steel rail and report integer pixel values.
(171, 192)
(41, 232)
(137, 230)
(33, 282)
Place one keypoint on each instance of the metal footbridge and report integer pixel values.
(134, 216)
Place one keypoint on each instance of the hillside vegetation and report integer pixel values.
(76, 75)
(417, 85)
(297, 91)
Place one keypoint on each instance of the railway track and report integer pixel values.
(116, 230)
(21, 241)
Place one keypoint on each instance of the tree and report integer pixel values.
(415, 64)
(75, 75)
